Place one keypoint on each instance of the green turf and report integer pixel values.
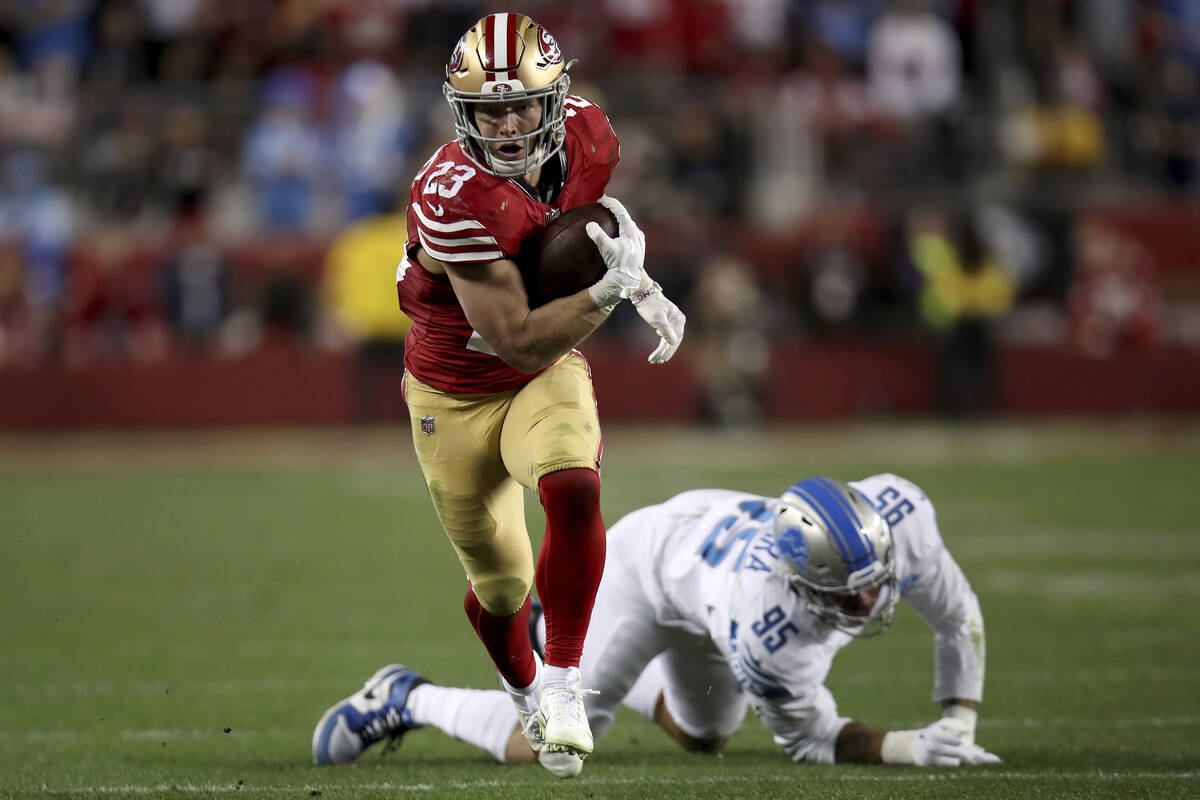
(178, 611)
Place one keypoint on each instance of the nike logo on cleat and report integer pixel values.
(376, 729)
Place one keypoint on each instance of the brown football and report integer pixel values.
(560, 260)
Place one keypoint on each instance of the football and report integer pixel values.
(560, 260)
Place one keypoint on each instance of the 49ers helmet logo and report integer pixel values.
(456, 58)
(548, 46)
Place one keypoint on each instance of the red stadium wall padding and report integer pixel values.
(851, 379)
(256, 391)
(627, 387)
(806, 381)
(1036, 381)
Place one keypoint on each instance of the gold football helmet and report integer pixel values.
(507, 57)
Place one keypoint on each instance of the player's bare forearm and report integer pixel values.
(557, 327)
(859, 744)
(494, 301)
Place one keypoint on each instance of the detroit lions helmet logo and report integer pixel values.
(792, 546)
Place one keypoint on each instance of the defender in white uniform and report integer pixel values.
(715, 600)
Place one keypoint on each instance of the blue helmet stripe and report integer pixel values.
(839, 517)
(808, 490)
(868, 546)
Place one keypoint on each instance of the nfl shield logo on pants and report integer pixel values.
(427, 426)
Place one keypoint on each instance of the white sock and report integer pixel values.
(533, 690)
(559, 676)
(479, 717)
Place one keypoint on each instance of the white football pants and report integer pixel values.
(629, 657)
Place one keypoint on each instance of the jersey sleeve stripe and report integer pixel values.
(466, 241)
(465, 256)
(446, 227)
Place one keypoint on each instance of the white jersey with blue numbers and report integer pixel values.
(707, 561)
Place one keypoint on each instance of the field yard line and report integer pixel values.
(493, 784)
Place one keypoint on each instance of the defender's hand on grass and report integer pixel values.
(941, 744)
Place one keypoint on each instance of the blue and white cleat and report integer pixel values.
(375, 712)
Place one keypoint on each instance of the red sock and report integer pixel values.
(571, 560)
(506, 640)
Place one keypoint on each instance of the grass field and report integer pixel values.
(178, 609)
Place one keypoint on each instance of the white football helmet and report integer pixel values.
(508, 57)
(834, 545)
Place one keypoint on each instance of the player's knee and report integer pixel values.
(501, 596)
(577, 487)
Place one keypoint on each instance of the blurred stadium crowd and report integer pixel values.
(217, 177)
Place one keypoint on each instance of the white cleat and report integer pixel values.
(560, 764)
(564, 720)
(525, 701)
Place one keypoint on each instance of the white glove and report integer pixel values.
(938, 745)
(623, 255)
(663, 316)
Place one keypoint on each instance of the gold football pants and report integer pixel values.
(476, 451)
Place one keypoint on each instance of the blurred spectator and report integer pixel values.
(834, 280)
(1183, 29)
(1061, 130)
(358, 294)
(113, 312)
(196, 287)
(1021, 243)
(15, 325)
(707, 154)
(761, 26)
(122, 55)
(39, 110)
(373, 138)
(119, 161)
(170, 18)
(963, 288)
(190, 165)
(1114, 301)
(822, 113)
(1168, 130)
(844, 26)
(727, 341)
(53, 30)
(673, 35)
(914, 62)
(37, 219)
(283, 155)
(914, 73)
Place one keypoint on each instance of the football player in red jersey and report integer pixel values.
(498, 397)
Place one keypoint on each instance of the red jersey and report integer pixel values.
(460, 214)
